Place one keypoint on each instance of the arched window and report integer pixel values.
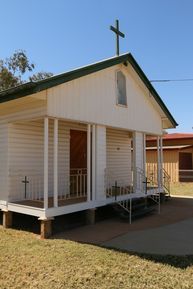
(121, 89)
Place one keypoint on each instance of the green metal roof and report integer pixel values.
(34, 87)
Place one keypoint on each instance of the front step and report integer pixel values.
(140, 208)
(163, 197)
(139, 213)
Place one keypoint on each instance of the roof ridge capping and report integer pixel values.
(125, 55)
(33, 87)
(60, 78)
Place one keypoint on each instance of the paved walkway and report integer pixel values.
(170, 232)
(175, 239)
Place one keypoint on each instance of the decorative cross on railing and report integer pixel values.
(118, 33)
(146, 183)
(25, 181)
(115, 187)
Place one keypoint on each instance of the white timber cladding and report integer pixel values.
(138, 150)
(93, 99)
(3, 160)
(118, 157)
(24, 108)
(100, 148)
(26, 157)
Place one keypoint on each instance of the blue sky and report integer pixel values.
(59, 35)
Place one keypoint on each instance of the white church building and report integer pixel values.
(67, 143)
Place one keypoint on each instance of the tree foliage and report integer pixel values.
(14, 69)
(40, 76)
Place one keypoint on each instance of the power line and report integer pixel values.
(171, 80)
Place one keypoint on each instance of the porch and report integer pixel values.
(59, 167)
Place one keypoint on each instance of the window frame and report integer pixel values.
(117, 93)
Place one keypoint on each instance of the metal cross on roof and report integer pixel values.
(118, 33)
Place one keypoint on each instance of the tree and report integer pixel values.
(15, 67)
(40, 76)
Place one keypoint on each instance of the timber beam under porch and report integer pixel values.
(45, 224)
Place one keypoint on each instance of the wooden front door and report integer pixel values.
(78, 163)
(78, 149)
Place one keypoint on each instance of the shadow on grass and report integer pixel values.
(181, 262)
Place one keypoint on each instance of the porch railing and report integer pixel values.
(26, 187)
(139, 180)
(31, 187)
(116, 186)
(78, 182)
(166, 181)
(139, 183)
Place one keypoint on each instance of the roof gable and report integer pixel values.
(34, 87)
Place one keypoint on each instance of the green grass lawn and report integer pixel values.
(184, 189)
(28, 262)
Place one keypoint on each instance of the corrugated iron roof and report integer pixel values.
(178, 135)
(173, 136)
(176, 147)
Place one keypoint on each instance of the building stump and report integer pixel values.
(7, 219)
(90, 216)
(45, 228)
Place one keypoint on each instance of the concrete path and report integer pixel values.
(170, 232)
(175, 239)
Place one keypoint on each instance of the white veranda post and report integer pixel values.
(46, 135)
(88, 161)
(93, 161)
(55, 162)
(159, 161)
(144, 153)
(134, 163)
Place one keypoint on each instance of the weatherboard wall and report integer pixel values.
(3, 160)
(170, 163)
(93, 98)
(26, 157)
(101, 150)
(12, 112)
(118, 157)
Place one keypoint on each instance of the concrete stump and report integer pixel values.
(90, 216)
(45, 228)
(7, 219)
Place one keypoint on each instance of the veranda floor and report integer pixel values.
(61, 202)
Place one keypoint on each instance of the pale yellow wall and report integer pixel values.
(170, 163)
